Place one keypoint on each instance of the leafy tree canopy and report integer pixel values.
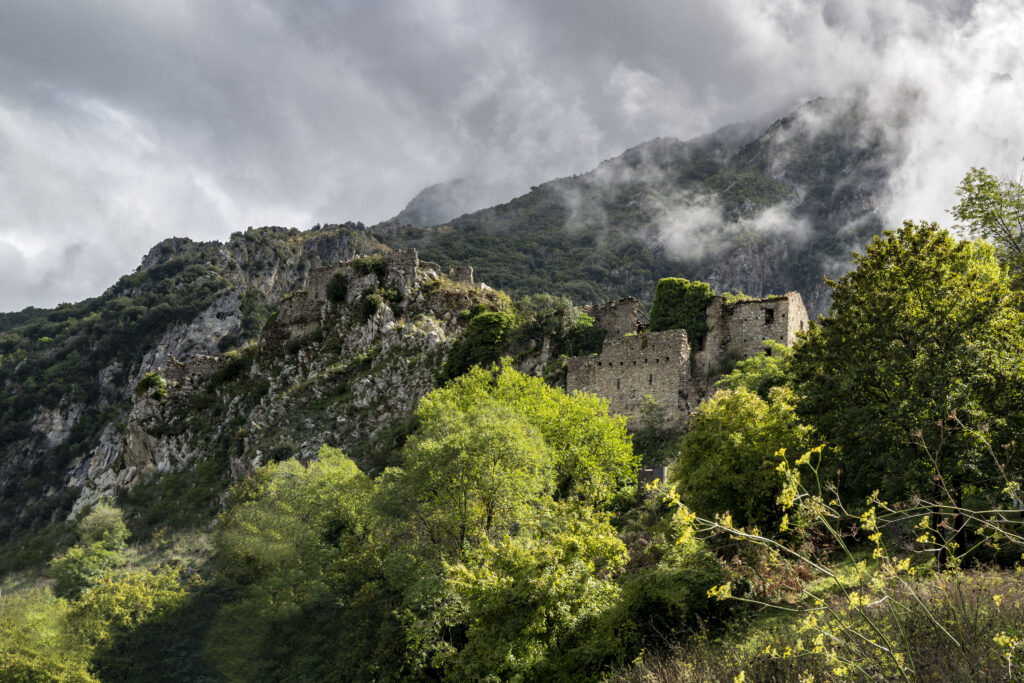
(994, 210)
(916, 370)
(727, 459)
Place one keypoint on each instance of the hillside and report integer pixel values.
(68, 375)
(307, 455)
(746, 208)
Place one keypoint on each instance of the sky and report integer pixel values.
(123, 123)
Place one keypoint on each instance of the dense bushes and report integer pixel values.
(481, 344)
(679, 303)
(490, 553)
(102, 537)
(337, 288)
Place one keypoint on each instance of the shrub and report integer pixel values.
(374, 263)
(118, 604)
(337, 288)
(81, 567)
(482, 343)
(372, 301)
(153, 383)
(104, 524)
(679, 303)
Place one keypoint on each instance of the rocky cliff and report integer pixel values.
(67, 376)
(342, 362)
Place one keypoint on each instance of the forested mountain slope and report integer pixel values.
(747, 208)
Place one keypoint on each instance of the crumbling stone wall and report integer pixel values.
(316, 282)
(663, 365)
(616, 317)
(634, 366)
(402, 267)
(461, 274)
(751, 323)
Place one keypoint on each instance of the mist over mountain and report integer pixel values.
(442, 202)
(757, 207)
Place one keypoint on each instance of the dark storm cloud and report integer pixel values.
(122, 123)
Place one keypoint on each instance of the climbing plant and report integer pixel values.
(680, 303)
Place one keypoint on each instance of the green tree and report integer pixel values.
(104, 524)
(103, 535)
(469, 475)
(483, 342)
(337, 576)
(81, 567)
(521, 599)
(296, 546)
(115, 604)
(915, 373)
(545, 315)
(727, 459)
(994, 210)
(762, 372)
(34, 644)
(592, 451)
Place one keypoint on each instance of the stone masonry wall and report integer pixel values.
(616, 317)
(662, 365)
(631, 367)
(751, 323)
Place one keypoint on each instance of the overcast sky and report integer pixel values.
(125, 122)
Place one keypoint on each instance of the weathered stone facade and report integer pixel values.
(616, 317)
(663, 365)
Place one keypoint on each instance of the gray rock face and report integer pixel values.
(55, 424)
(327, 373)
(198, 337)
(238, 282)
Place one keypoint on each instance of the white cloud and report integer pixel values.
(123, 123)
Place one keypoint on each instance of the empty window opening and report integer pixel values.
(769, 316)
(768, 351)
(617, 386)
(650, 379)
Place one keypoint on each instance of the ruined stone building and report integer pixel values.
(635, 363)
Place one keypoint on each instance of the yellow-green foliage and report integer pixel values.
(490, 553)
(34, 642)
(103, 535)
(118, 603)
(103, 524)
(44, 638)
(727, 458)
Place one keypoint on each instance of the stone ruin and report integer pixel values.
(635, 362)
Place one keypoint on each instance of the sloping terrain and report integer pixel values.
(756, 210)
(68, 375)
